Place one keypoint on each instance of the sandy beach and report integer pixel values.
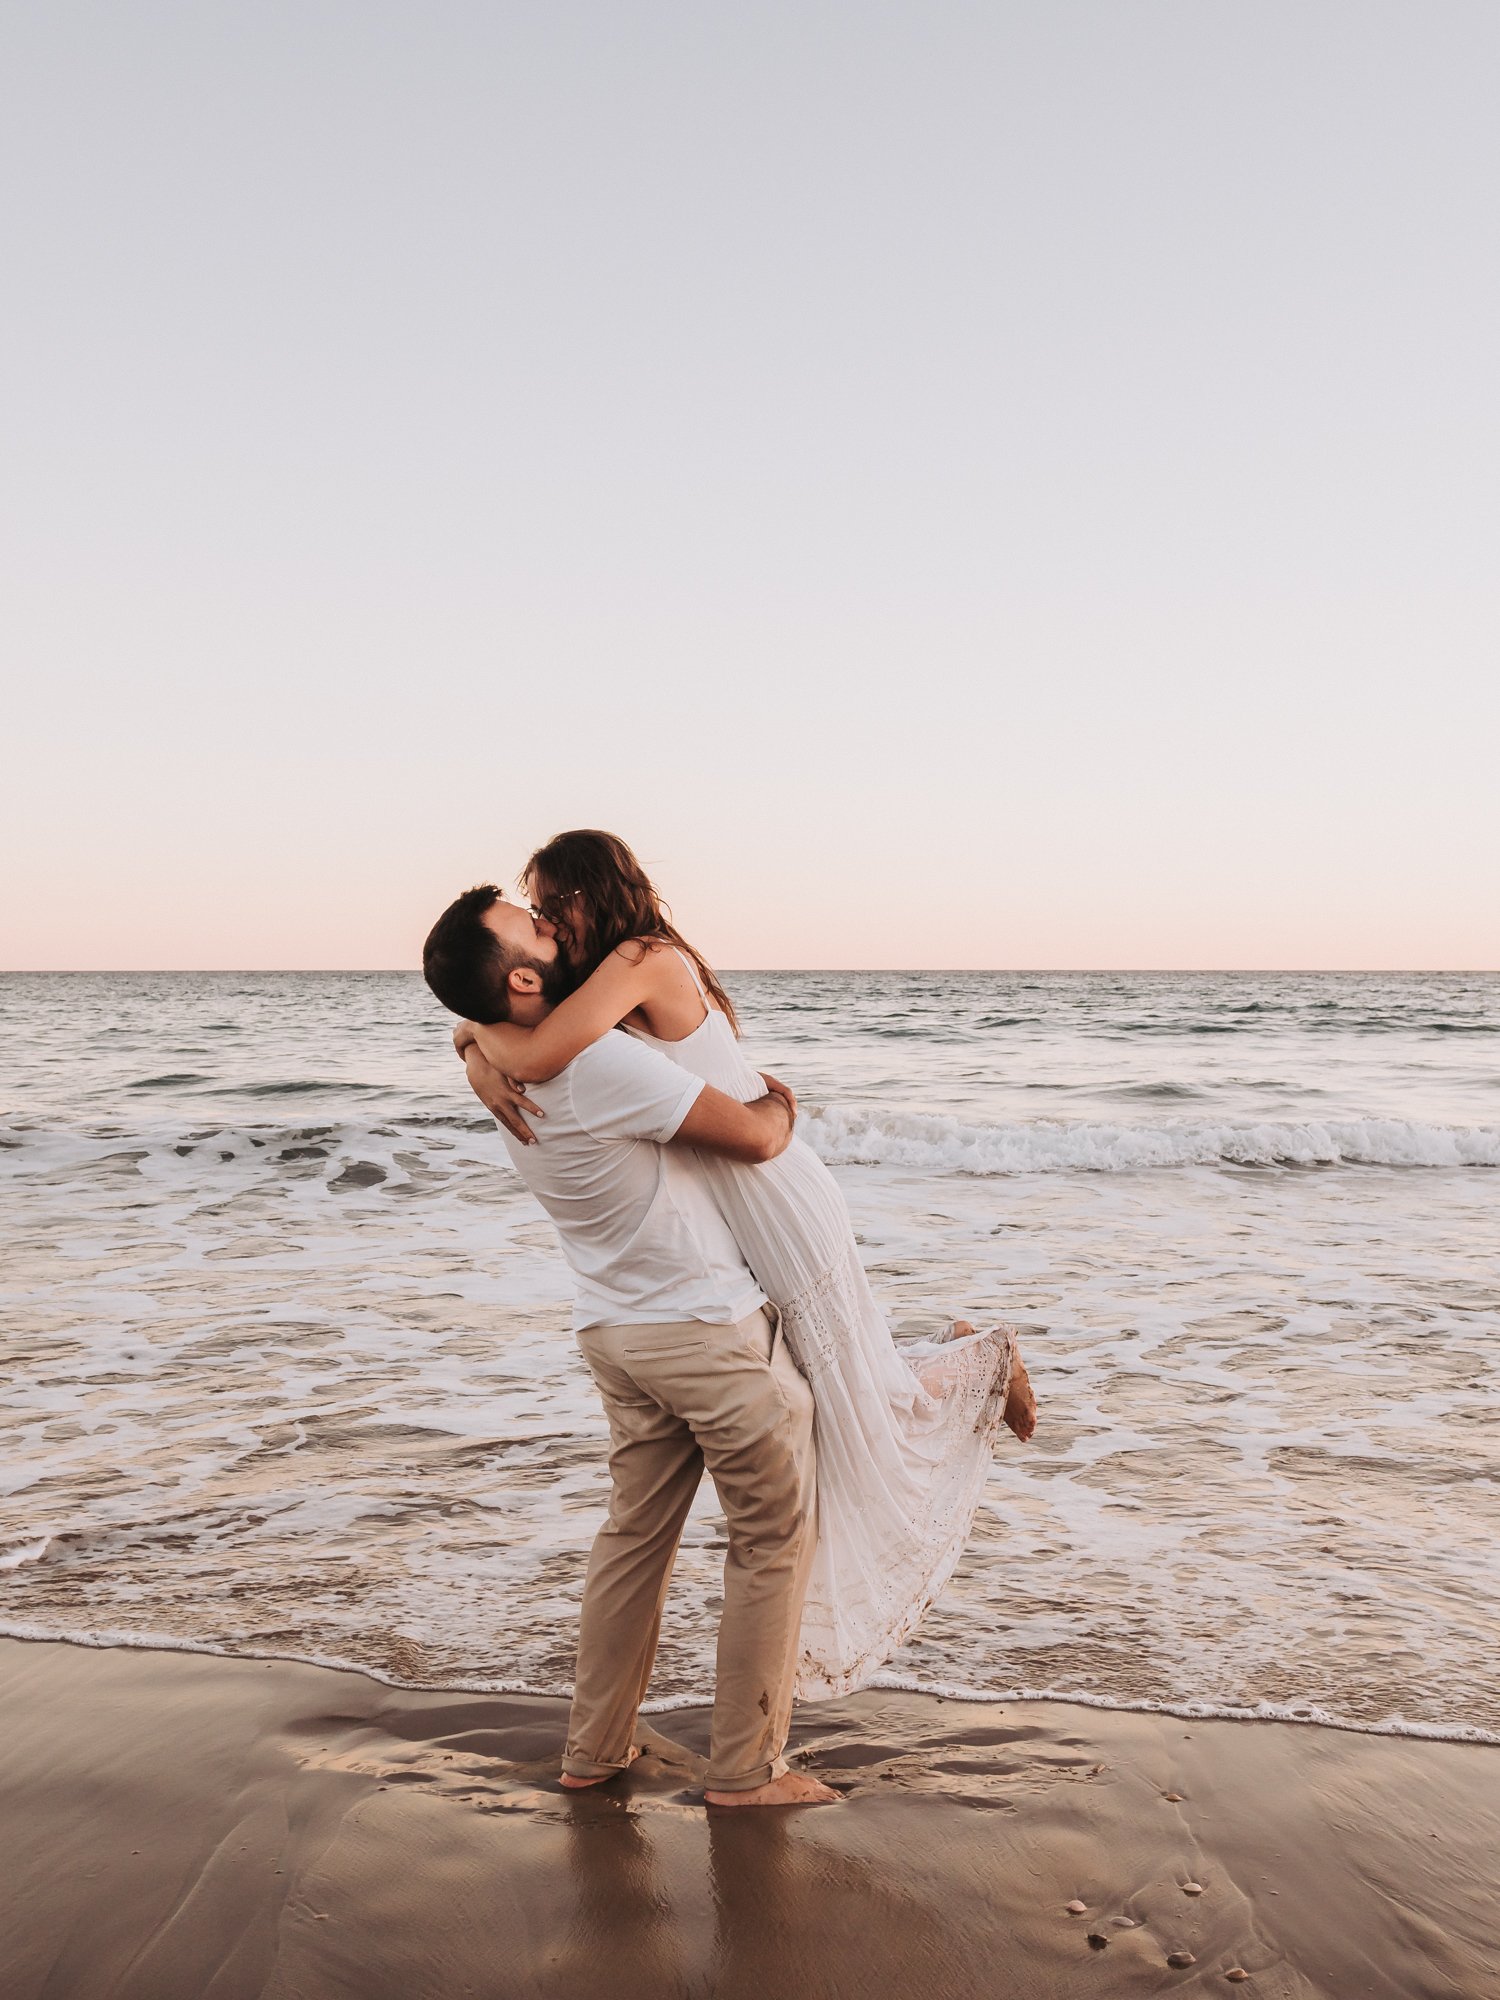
(180, 1827)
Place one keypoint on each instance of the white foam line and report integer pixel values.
(1308, 1714)
(853, 1137)
(1195, 1711)
(843, 1135)
(163, 1642)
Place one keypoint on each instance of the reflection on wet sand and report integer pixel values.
(175, 1825)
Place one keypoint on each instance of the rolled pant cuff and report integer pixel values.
(749, 1781)
(587, 1767)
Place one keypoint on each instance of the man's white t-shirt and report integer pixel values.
(645, 1238)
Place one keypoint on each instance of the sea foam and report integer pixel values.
(1307, 1713)
(843, 1137)
(288, 1368)
(1042, 1146)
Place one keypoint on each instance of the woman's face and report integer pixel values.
(565, 917)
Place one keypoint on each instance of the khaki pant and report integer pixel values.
(680, 1397)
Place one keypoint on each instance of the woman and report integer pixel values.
(904, 1437)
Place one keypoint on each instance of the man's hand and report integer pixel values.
(501, 1095)
(753, 1132)
(778, 1089)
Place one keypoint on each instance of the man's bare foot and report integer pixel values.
(571, 1784)
(1020, 1402)
(793, 1788)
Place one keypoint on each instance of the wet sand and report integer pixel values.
(178, 1827)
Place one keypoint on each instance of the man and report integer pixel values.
(686, 1353)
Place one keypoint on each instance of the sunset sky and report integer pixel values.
(1008, 485)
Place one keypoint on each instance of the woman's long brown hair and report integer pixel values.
(620, 897)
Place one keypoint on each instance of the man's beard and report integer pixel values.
(557, 976)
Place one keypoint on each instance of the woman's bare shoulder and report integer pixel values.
(634, 951)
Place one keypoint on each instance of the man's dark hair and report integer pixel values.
(463, 961)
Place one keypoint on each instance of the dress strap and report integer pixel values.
(693, 975)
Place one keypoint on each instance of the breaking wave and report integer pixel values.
(948, 1146)
(916, 1141)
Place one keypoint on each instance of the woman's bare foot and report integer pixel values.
(571, 1784)
(1020, 1402)
(793, 1788)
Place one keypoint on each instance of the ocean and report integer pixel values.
(287, 1369)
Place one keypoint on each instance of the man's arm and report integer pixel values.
(753, 1132)
(623, 1090)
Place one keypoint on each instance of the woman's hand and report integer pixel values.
(463, 1037)
(502, 1096)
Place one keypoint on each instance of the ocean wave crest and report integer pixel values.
(919, 1141)
(1040, 1146)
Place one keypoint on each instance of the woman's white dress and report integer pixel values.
(904, 1437)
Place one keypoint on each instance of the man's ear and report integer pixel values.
(524, 979)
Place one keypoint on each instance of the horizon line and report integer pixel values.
(330, 971)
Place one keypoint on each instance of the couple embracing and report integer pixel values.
(724, 1314)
